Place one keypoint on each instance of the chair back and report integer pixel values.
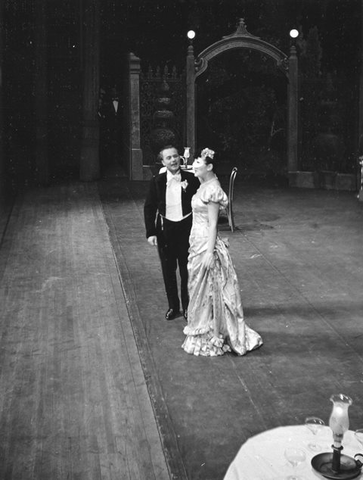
(232, 179)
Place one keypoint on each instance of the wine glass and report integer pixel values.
(359, 435)
(314, 424)
(295, 456)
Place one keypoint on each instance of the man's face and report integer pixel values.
(171, 160)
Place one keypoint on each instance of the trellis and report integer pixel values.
(150, 84)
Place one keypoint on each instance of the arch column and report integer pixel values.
(135, 152)
(190, 120)
(293, 105)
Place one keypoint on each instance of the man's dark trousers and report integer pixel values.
(173, 247)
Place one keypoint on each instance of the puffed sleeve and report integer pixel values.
(214, 193)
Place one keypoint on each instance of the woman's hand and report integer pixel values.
(208, 261)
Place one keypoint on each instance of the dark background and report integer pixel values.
(242, 99)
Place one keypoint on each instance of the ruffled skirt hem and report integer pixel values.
(206, 345)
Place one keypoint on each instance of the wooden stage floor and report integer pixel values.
(93, 382)
(73, 400)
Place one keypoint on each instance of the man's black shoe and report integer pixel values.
(185, 314)
(171, 314)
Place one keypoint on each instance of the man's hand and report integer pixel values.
(153, 240)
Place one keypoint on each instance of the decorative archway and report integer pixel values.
(243, 39)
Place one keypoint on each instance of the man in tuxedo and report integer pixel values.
(168, 220)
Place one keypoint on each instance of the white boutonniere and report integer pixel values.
(184, 185)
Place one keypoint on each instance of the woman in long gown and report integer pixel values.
(215, 314)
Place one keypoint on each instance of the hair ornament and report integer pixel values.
(207, 152)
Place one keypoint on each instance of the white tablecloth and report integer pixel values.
(262, 456)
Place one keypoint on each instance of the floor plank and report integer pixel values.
(73, 398)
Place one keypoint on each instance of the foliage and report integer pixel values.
(241, 111)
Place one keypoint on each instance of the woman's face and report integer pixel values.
(200, 168)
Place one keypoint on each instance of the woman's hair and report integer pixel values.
(208, 156)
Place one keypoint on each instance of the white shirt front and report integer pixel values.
(173, 210)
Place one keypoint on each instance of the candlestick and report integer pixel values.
(334, 465)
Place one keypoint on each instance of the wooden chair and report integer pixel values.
(229, 210)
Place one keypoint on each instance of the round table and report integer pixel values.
(262, 456)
